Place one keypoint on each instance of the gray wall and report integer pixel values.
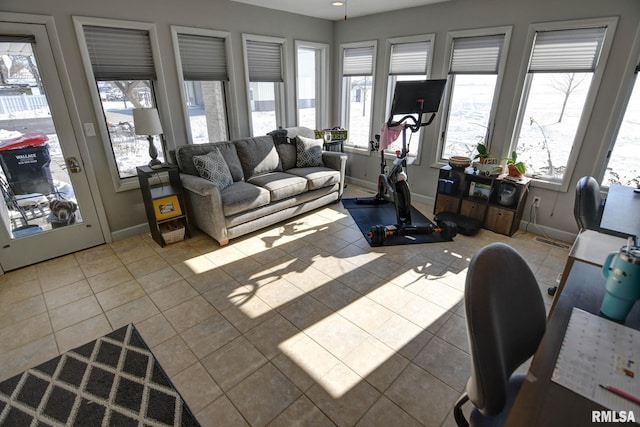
(124, 210)
(556, 211)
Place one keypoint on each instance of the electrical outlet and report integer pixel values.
(536, 201)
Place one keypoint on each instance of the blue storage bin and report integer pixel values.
(448, 185)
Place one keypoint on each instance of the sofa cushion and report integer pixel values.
(242, 196)
(287, 153)
(258, 155)
(213, 167)
(185, 153)
(281, 185)
(317, 177)
(308, 152)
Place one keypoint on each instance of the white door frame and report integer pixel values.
(68, 123)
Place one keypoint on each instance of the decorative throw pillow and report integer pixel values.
(308, 152)
(213, 167)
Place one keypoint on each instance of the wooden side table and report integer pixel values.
(164, 204)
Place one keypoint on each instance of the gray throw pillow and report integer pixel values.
(213, 167)
(258, 155)
(308, 152)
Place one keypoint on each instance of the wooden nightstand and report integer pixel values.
(164, 204)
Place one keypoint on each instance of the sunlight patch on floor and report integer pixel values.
(341, 349)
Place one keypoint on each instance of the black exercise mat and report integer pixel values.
(114, 380)
(367, 216)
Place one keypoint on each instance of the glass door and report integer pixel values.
(47, 208)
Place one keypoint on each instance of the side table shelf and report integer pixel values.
(479, 197)
(164, 204)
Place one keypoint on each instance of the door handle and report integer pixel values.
(73, 165)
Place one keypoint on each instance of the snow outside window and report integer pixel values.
(122, 64)
(357, 92)
(409, 59)
(475, 70)
(558, 93)
(203, 60)
(623, 165)
(264, 70)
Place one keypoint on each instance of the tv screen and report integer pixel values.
(417, 97)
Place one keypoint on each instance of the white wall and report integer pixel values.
(556, 211)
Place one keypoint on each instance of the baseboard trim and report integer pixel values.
(130, 232)
(553, 233)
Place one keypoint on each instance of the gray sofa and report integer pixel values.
(266, 185)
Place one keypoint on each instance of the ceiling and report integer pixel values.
(324, 9)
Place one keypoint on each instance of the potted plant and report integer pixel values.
(515, 167)
(483, 153)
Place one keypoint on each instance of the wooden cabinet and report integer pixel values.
(497, 202)
(500, 220)
(473, 209)
(164, 203)
(446, 203)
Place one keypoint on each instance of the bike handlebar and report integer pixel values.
(417, 124)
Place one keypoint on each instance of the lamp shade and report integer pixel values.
(146, 121)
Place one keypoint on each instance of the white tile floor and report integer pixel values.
(299, 324)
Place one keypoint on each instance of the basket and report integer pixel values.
(336, 134)
(172, 232)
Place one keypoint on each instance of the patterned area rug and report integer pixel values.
(114, 380)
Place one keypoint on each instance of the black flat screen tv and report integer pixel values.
(417, 97)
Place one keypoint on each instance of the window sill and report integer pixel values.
(546, 184)
(357, 150)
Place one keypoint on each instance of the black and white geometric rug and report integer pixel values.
(114, 380)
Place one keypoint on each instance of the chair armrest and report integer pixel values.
(205, 206)
(199, 185)
(335, 160)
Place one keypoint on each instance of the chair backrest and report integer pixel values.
(505, 318)
(587, 208)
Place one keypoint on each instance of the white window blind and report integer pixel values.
(203, 57)
(264, 61)
(574, 51)
(476, 55)
(119, 53)
(409, 58)
(358, 61)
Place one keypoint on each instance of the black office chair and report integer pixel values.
(588, 205)
(506, 319)
(587, 209)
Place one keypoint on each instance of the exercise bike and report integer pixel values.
(414, 98)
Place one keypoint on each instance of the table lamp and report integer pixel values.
(147, 122)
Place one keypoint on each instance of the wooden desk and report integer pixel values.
(542, 402)
(621, 216)
(591, 247)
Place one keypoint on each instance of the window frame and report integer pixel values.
(524, 83)
(159, 89)
(344, 110)
(390, 88)
(630, 82)
(280, 91)
(448, 91)
(229, 86)
(322, 81)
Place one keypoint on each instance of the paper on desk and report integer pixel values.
(598, 351)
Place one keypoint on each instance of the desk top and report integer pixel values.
(621, 214)
(542, 402)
